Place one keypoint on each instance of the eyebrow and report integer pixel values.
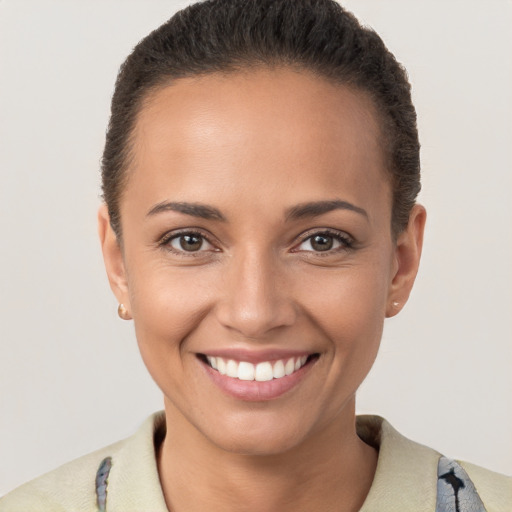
(300, 211)
(194, 209)
(316, 208)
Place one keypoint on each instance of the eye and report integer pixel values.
(324, 242)
(189, 242)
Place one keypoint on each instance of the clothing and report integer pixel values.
(406, 478)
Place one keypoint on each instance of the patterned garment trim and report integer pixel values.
(455, 490)
(102, 483)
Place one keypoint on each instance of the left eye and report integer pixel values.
(323, 242)
(190, 242)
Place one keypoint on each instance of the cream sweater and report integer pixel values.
(406, 478)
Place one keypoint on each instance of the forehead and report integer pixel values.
(284, 126)
(259, 99)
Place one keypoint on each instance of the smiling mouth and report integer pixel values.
(260, 372)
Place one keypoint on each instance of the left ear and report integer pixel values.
(406, 260)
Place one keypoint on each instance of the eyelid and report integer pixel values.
(343, 237)
(164, 240)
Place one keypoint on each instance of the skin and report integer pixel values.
(254, 145)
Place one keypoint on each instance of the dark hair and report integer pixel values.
(229, 35)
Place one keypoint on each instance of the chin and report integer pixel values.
(256, 445)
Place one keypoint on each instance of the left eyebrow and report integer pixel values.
(316, 208)
(194, 209)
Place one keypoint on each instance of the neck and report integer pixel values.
(332, 471)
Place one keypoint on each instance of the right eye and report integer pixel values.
(189, 242)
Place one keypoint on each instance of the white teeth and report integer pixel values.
(289, 367)
(278, 370)
(246, 371)
(260, 372)
(232, 368)
(263, 372)
(221, 366)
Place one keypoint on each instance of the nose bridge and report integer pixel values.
(256, 298)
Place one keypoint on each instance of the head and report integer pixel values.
(260, 175)
(226, 36)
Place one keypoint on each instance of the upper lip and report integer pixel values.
(256, 356)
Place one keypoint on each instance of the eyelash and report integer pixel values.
(165, 242)
(346, 242)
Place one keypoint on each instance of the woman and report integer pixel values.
(259, 176)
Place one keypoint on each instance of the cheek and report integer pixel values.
(167, 305)
(350, 311)
(347, 300)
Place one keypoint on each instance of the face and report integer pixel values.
(257, 259)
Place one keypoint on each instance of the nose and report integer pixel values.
(256, 299)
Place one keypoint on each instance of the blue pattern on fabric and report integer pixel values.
(102, 482)
(455, 490)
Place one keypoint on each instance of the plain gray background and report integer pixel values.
(71, 379)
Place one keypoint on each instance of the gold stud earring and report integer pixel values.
(123, 312)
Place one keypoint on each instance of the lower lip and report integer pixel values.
(255, 391)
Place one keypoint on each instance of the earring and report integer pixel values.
(123, 312)
(396, 304)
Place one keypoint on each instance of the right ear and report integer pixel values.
(113, 258)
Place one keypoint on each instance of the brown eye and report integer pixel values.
(325, 242)
(322, 242)
(190, 242)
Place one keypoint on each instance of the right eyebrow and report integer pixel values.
(202, 211)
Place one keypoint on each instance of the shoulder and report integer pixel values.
(69, 487)
(495, 489)
(411, 476)
(131, 466)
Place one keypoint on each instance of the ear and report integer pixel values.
(113, 258)
(406, 261)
